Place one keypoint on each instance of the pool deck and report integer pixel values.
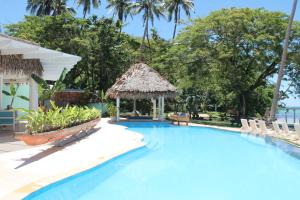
(23, 172)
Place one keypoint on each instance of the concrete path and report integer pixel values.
(8, 143)
(25, 171)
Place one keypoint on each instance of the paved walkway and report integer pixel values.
(8, 143)
(25, 171)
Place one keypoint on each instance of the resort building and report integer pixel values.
(21, 58)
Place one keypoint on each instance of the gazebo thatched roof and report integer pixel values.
(141, 81)
(15, 64)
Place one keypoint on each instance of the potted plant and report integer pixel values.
(112, 111)
(57, 123)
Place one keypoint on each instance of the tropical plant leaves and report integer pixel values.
(6, 93)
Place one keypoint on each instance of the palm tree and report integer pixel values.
(87, 5)
(60, 7)
(277, 95)
(48, 7)
(121, 9)
(150, 9)
(174, 7)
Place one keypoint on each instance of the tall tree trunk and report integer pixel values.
(176, 21)
(145, 31)
(242, 105)
(143, 41)
(282, 64)
(120, 19)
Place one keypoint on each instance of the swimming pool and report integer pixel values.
(186, 163)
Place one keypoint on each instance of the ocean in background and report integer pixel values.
(287, 114)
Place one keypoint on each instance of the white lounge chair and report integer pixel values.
(296, 134)
(277, 130)
(263, 128)
(253, 127)
(297, 129)
(285, 128)
(245, 126)
(287, 133)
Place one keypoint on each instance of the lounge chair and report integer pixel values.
(297, 129)
(287, 133)
(253, 127)
(285, 128)
(277, 129)
(263, 128)
(245, 126)
(8, 118)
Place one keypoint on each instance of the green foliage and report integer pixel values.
(46, 7)
(228, 58)
(57, 118)
(13, 93)
(106, 53)
(231, 56)
(46, 91)
(87, 4)
(111, 109)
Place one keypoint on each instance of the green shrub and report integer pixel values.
(111, 109)
(57, 118)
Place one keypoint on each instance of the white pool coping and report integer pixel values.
(23, 172)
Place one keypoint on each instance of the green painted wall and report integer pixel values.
(18, 103)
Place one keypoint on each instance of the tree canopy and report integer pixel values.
(232, 56)
(227, 59)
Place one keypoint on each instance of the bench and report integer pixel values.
(8, 118)
(180, 118)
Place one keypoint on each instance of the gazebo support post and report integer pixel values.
(159, 107)
(134, 106)
(1, 88)
(118, 108)
(154, 109)
(33, 95)
(162, 108)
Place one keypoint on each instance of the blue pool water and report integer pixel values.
(187, 163)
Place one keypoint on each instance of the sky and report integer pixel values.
(12, 11)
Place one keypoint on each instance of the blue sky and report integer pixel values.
(12, 11)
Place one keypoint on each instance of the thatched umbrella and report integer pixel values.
(142, 82)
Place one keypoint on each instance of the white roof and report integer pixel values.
(52, 61)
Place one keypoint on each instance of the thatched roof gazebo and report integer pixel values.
(142, 82)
